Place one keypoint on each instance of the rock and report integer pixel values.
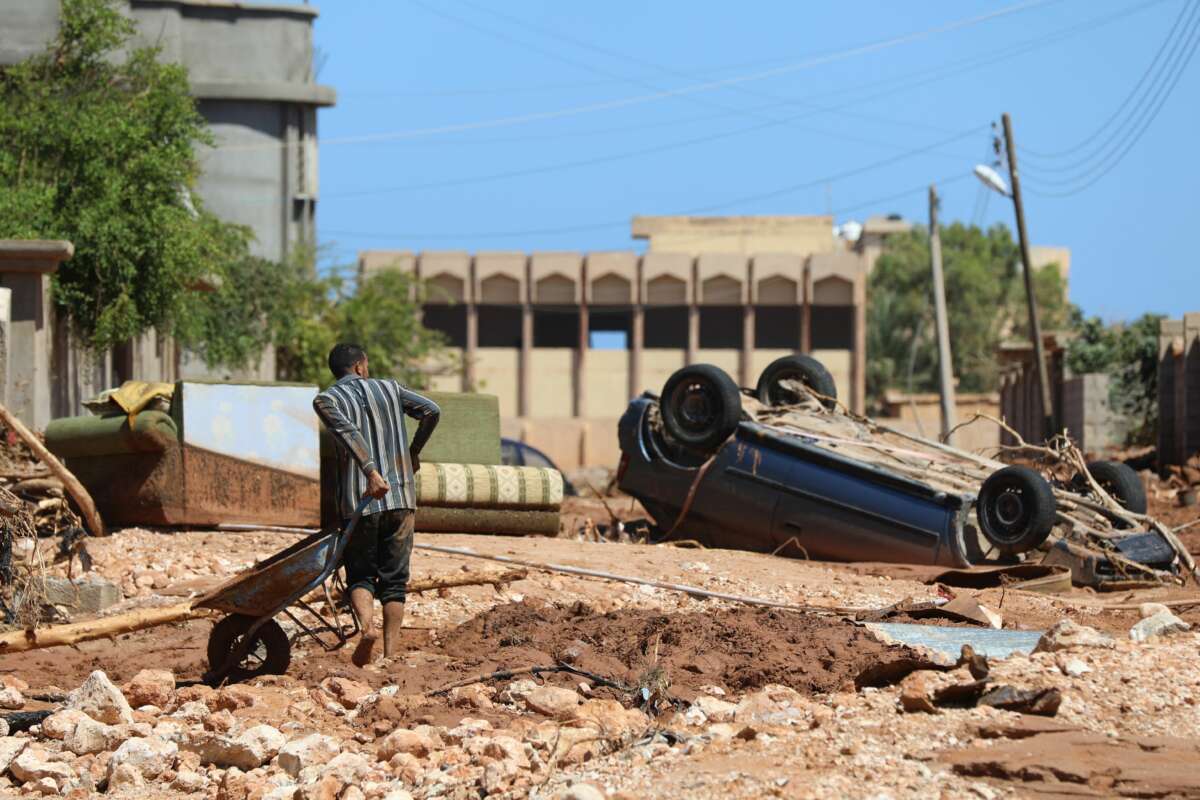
(1150, 609)
(771, 705)
(553, 701)
(220, 721)
(312, 749)
(88, 594)
(404, 741)
(187, 781)
(10, 748)
(1164, 623)
(34, 763)
(1073, 667)
(46, 786)
(347, 692)
(90, 736)
(582, 791)
(1067, 634)
(151, 687)
(251, 748)
(516, 691)
(101, 700)
(11, 699)
(611, 718)
(149, 756)
(233, 785)
(352, 792)
(328, 787)
(192, 711)
(475, 695)
(397, 794)
(195, 693)
(715, 709)
(466, 728)
(125, 776)
(916, 693)
(61, 723)
(231, 698)
(407, 767)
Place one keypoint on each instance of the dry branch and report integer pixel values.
(72, 485)
(76, 632)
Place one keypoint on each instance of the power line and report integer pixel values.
(809, 63)
(773, 122)
(1184, 10)
(1108, 161)
(767, 195)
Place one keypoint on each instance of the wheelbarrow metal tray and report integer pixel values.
(261, 589)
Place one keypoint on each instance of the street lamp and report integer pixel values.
(994, 181)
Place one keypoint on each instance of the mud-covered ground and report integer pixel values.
(672, 695)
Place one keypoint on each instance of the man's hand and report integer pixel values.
(377, 487)
(416, 462)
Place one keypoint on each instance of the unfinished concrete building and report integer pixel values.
(565, 339)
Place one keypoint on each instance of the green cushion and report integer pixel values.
(469, 430)
(72, 437)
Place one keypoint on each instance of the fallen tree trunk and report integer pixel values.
(79, 494)
(76, 632)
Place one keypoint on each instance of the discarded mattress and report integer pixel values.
(489, 486)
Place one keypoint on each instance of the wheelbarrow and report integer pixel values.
(248, 641)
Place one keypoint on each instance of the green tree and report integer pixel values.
(985, 303)
(98, 146)
(382, 314)
(1128, 354)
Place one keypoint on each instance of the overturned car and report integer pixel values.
(786, 469)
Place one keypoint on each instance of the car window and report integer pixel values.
(534, 458)
(510, 453)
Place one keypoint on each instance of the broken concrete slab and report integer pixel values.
(948, 641)
(88, 594)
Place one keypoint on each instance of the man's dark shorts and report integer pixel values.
(378, 554)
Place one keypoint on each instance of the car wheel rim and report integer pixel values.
(696, 406)
(1010, 508)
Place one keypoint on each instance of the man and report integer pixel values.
(366, 417)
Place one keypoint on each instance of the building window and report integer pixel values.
(833, 327)
(556, 327)
(499, 326)
(666, 327)
(777, 327)
(721, 327)
(609, 328)
(451, 321)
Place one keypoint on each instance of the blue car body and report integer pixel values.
(772, 493)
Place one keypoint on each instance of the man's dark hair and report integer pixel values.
(343, 357)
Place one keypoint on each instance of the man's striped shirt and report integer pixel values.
(366, 418)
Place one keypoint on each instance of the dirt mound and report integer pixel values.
(738, 649)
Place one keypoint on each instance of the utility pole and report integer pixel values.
(1049, 424)
(946, 367)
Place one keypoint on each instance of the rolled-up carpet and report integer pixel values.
(489, 486)
(517, 522)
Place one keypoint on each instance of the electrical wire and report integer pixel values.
(767, 195)
(1110, 160)
(708, 86)
(1176, 26)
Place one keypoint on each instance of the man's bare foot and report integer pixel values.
(362, 653)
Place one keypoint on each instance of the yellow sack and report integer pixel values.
(134, 396)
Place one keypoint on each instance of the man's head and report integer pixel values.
(346, 359)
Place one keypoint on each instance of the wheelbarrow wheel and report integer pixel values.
(269, 653)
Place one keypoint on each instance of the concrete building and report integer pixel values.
(251, 69)
(565, 339)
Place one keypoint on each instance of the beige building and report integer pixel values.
(565, 339)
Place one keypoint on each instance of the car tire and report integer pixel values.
(270, 654)
(701, 406)
(806, 369)
(1119, 480)
(1016, 509)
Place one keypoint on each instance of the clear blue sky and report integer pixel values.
(530, 124)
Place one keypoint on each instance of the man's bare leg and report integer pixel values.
(363, 603)
(393, 623)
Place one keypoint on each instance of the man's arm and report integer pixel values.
(345, 432)
(427, 414)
